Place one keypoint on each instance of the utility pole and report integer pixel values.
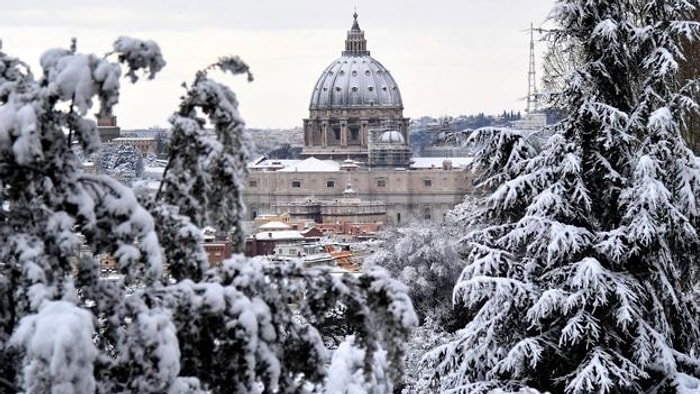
(531, 77)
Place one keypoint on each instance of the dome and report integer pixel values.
(355, 78)
(355, 81)
(391, 137)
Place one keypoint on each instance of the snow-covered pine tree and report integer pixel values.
(580, 271)
(241, 327)
(123, 162)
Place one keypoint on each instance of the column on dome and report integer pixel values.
(344, 133)
(308, 133)
(324, 133)
(404, 131)
(363, 133)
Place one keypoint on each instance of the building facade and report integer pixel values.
(426, 192)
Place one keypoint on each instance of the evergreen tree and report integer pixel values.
(172, 323)
(579, 274)
(689, 68)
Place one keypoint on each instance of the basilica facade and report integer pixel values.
(356, 135)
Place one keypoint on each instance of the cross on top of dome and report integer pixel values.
(355, 43)
(355, 25)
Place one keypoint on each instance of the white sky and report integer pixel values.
(449, 57)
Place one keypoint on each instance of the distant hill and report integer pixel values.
(277, 143)
(288, 143)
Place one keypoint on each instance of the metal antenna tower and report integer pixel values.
(531, 77)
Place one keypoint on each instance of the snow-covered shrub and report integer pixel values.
(585, 250)
(425, 257)
(418, 376)
(123, 162)
(346, 374)
(171, 323)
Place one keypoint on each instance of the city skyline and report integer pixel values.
(464, 58)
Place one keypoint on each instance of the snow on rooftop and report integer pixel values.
(263, 164)
(127, 139)
(155, 173)
(436, 162)
(313, 164)
(279, 235)
(274, 225)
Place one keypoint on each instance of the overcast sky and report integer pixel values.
(448, 57)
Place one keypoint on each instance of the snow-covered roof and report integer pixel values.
(274, 225)
(259, 164)
(436, 162)
(127, 139)
(153, 172)
(313, 164)
(147, 184)
(278, 235)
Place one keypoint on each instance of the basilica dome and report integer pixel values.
(353, 101)
(355, 79)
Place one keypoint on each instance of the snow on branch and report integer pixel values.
(474, 290)
(550, 302)
(606, 29)
(59, 350)
(78, 78)
(499, 151)
(524, 354)
(690, 30)
(111, 214)
(661, 62)
(603, 372)
(139, 55)
(233, 64)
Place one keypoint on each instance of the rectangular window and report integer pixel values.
(381, 182)
(296, 184)
(252, 183)
(330, 183)
(427, 182)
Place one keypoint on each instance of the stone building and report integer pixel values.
(107, 128)
(425, 190)
(356, 133)
(348, 209)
